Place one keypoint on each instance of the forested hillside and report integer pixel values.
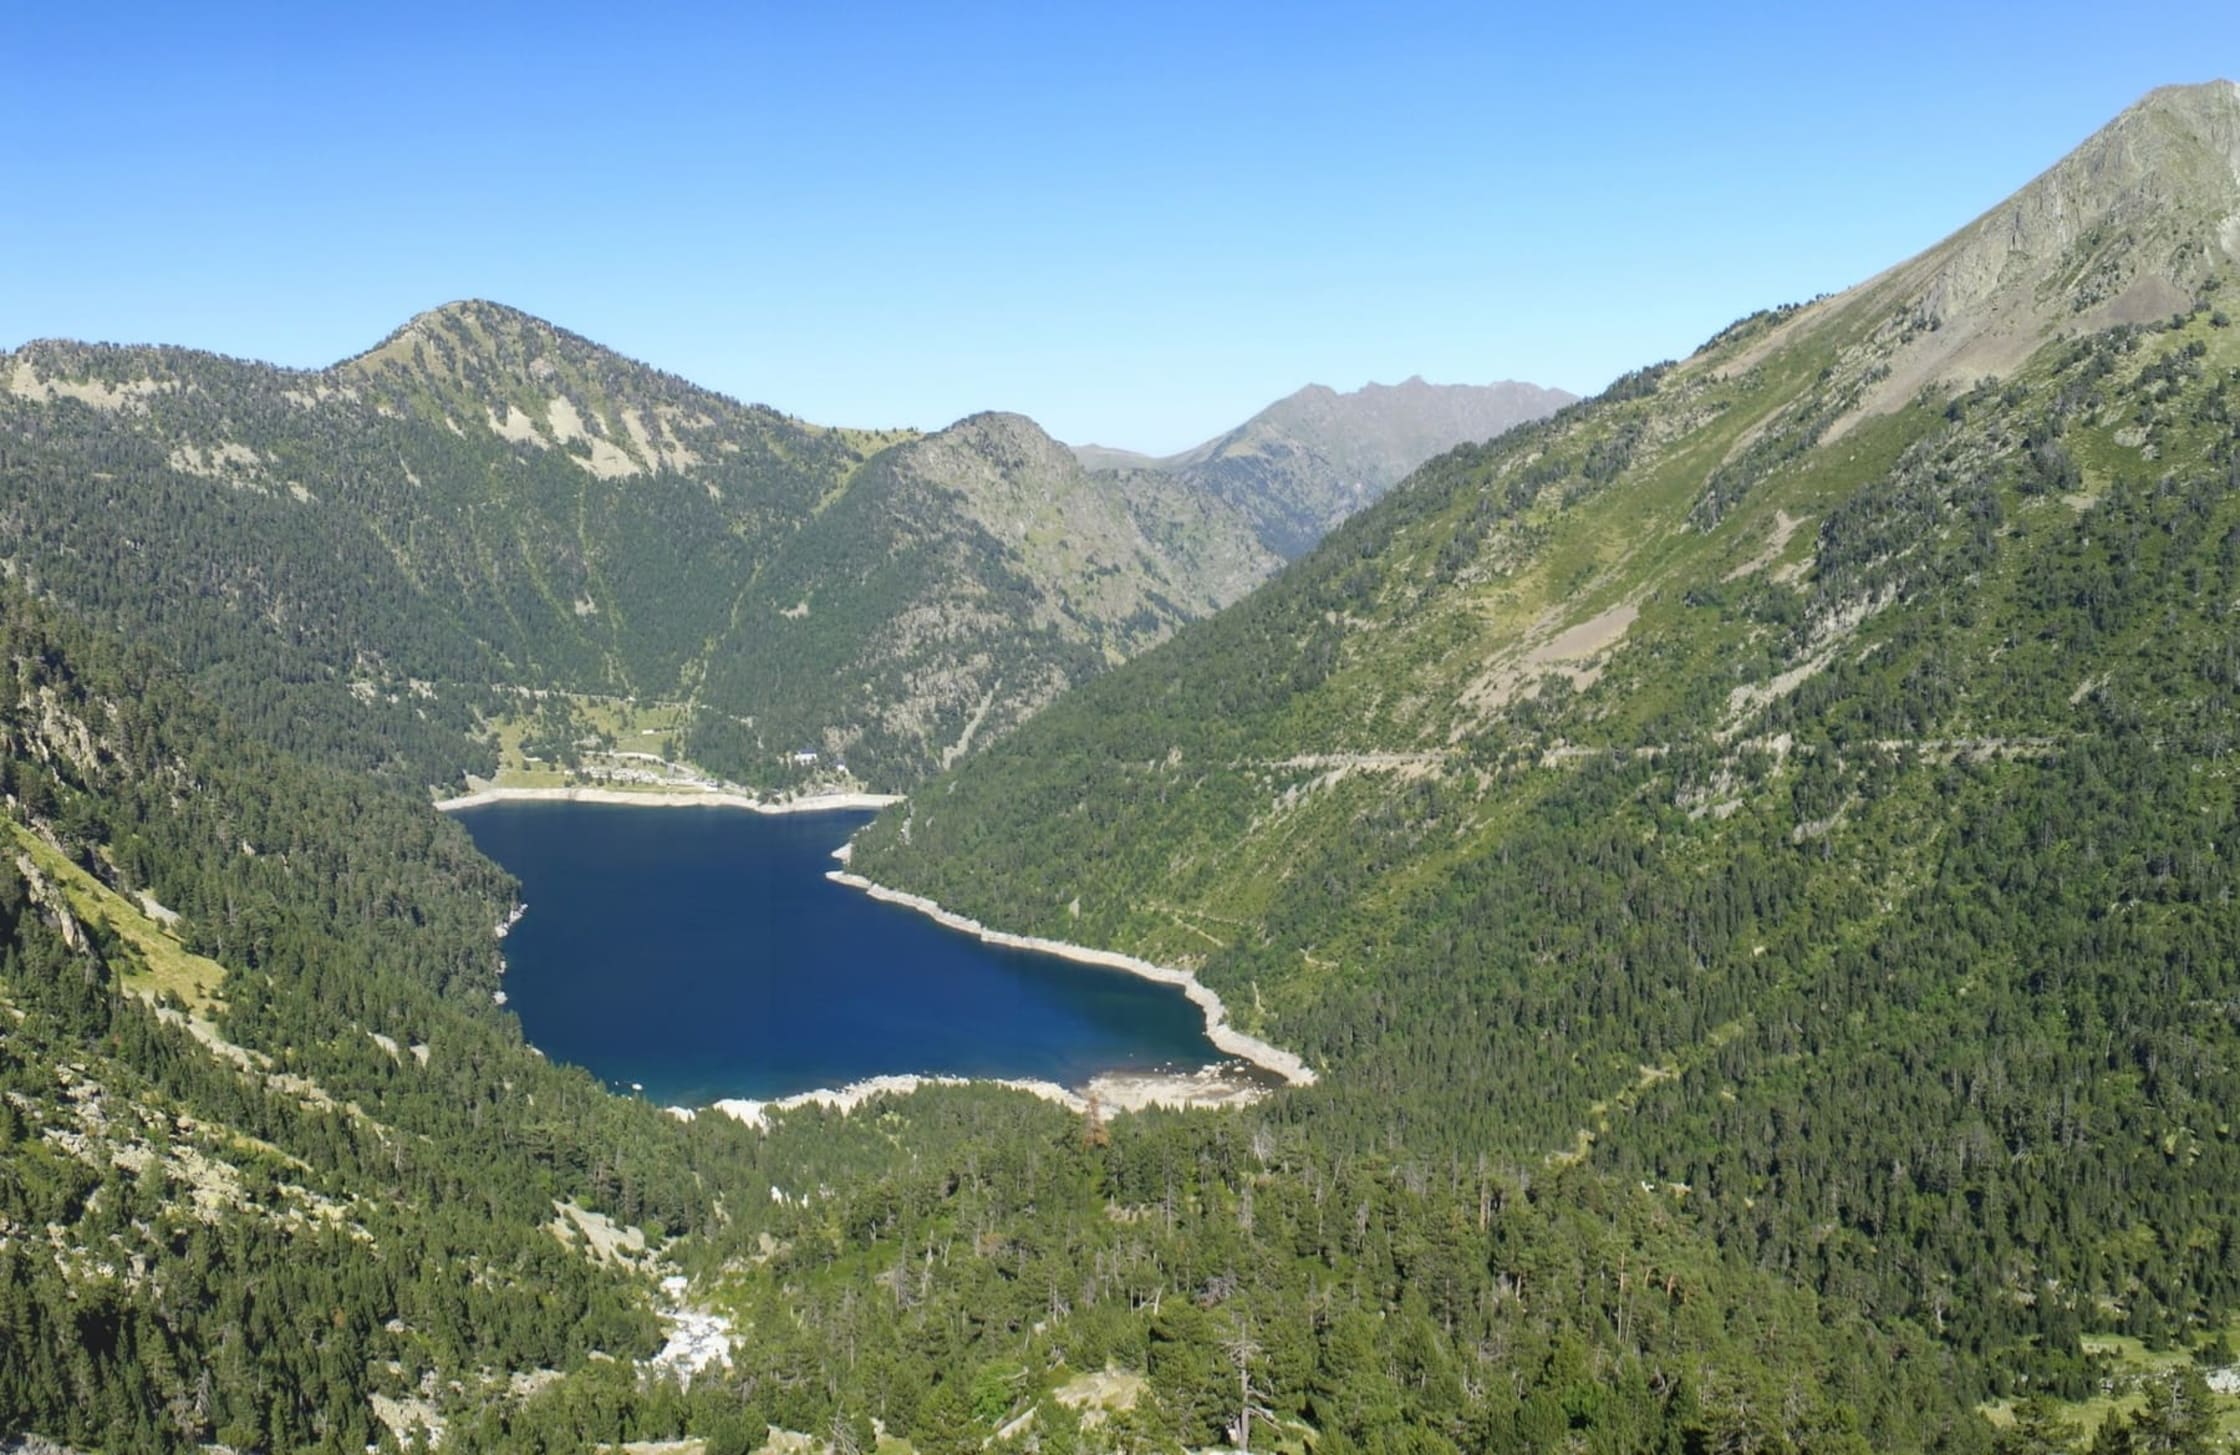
(276, 1173)
(270, 1149)
(380, 562)
(1796, 785)
(964, 579)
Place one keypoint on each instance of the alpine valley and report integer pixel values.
(1748, 860)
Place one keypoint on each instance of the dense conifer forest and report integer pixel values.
(1914, 992)
(358, 1193)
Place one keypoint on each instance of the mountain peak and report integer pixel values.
(447, 338)
(2215, 93)
(1413, 408)
(2169, 161)
(538, 385)
(994, 422)
(2137, 223)
(1000, 440)
(475, 311)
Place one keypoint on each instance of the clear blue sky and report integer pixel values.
(1137, 223)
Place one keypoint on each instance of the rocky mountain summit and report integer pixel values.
(2129, 228)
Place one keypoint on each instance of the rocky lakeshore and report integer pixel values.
(1114, 1091)
(1225, 1037)
(670, 798)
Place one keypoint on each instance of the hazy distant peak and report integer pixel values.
(1106, 457)
(1414, 385)
(1317, 455)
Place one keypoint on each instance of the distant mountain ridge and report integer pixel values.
(1314, 457)
(384, 556)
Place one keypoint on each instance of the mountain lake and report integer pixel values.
(698, 953)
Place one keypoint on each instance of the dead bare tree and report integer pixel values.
(1243, 1351)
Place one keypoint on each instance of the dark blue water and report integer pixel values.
(701, 953)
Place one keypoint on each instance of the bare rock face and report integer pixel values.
(2139, 210)
(2128, 228)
